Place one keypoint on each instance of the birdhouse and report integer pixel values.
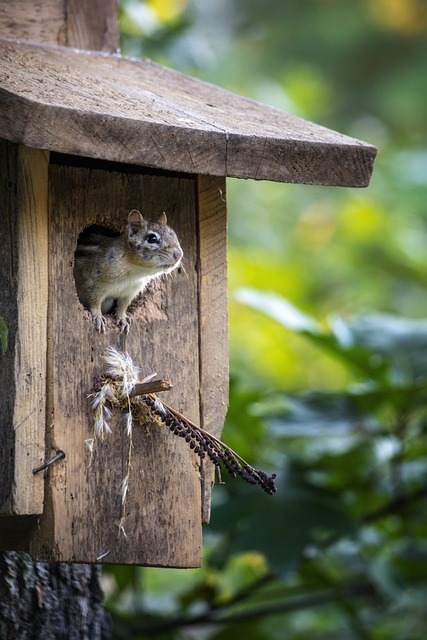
(87, 137)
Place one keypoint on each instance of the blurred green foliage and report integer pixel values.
(327, 335)
(4, 331)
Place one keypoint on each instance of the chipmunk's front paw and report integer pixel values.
(124, 322)
(100, 323)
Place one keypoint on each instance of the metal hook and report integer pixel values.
(59, 454)
(218, 479)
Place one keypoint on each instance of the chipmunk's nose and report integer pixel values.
(177, 255)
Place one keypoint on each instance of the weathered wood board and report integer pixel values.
(125, 110)
(83, 507)
(87, 25)
(213, 316)
(23, 306)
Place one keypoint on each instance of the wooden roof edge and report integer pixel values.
(114, 108)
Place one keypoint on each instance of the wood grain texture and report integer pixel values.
(9, 314)
(40, 21)
(24, 288)
(124, 110)
(83, 508)
(213, 316)
(92, 25)
(73, 23)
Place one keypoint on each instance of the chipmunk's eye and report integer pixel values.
(152, 237)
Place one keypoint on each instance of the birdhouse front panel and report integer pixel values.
(130, 492)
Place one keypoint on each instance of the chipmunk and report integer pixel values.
(112, 271)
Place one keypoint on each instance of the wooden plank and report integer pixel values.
(137, 112)
(213, 316)
(73, 23)
(33, 20)
(92, 25)
(24, 286)
(9, 318)
(83, 506)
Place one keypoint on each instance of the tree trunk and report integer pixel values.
(50, 601)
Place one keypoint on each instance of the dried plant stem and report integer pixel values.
(122, 388)
(208, 436)
(204, 443)
(150, 387)
(125, 487)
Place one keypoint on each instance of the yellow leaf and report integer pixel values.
(406, 16)
(167, 10)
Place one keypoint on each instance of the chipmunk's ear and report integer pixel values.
(135, 217)
(162, 219)
(135, 222)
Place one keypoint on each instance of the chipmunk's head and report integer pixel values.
(154, 244)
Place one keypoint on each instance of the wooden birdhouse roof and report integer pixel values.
(109, 107)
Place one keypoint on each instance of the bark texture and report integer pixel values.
(53, 601)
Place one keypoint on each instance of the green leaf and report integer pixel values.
(314, 414)
(399, 342)
(388, 349)
(245, 432)
(283, 526)
(338, 342)
(249, 630)
(4, 331)
(279, 309)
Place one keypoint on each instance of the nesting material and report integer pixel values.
(120, 388)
